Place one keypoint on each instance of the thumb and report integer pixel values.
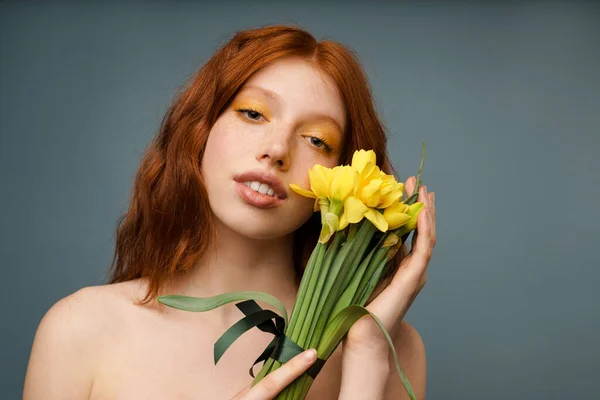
(242, 392)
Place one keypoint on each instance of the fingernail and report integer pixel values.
(425, 189)
(433, 196)
(310, 355)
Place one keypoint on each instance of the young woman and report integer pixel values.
(211, 212)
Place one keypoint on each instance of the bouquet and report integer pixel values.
(364, 222)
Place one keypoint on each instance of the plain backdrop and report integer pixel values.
(505, 94)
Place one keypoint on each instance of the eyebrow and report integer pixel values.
(266, 92)
(275, 96)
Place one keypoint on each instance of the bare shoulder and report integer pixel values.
(411, 353)
(69, 341)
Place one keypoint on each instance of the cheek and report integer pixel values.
(222, 147)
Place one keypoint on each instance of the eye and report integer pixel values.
(320, 143)
(250, 113)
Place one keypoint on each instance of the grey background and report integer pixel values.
(506, 95)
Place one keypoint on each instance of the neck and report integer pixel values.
(237, 263)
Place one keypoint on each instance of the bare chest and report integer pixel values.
(150, 359)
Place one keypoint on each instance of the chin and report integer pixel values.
(258, 225)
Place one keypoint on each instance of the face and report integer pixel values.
(287, 117)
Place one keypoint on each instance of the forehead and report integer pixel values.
(300, 88)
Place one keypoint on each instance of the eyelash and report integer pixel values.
(247, 110)
(326, 145)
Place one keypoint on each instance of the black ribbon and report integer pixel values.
(281, 348)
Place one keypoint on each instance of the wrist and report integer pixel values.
(365, 373)
(374, 350)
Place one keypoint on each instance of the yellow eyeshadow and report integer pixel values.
(329, 135)
(252, 105)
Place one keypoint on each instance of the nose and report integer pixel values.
(275, 151)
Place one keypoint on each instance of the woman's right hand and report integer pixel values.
(272, 384)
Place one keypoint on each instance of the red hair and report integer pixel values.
(168, 225)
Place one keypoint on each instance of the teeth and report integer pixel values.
(262, 188)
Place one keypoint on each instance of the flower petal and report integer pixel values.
(354, 209)
(390, 240)
(303, 192)
(360, 158)
(377, 219)
(370, 194)
(395, 219)
(343, 222)
(342, 184)
(316, 207)
(389, 199)
(320, 180)
(413, 211)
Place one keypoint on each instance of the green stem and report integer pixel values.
(341, 271)
(304, 285)
(270, 364)
(349, 293)
(338, 277)
(315, 294)
(373, 264)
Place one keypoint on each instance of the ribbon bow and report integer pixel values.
(281, 348)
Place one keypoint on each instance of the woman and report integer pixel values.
(212, 212)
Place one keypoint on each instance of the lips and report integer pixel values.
(261, 176)
(255, 198)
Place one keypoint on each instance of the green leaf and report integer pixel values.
(199, 304)
(341, 324)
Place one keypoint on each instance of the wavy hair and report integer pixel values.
(168, 224)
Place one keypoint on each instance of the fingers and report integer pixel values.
(272, 384)
(425, 239)
(409, 186)
(431, 200)
(415, 265)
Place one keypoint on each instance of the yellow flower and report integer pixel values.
(330, 188)
(373, 190)
(343, 182)
(396, 215)
(334, 184)
(413, 211)
(374, 187)
(361, 158)
(346, 194)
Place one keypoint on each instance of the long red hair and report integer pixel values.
(168, 225)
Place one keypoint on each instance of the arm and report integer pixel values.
(411, 353)
(390, 305)
(60, 365)
(370, 373)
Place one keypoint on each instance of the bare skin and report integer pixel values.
(106, 347)
(169, 354)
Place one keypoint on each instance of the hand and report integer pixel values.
(393, 301)
(276, 381)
